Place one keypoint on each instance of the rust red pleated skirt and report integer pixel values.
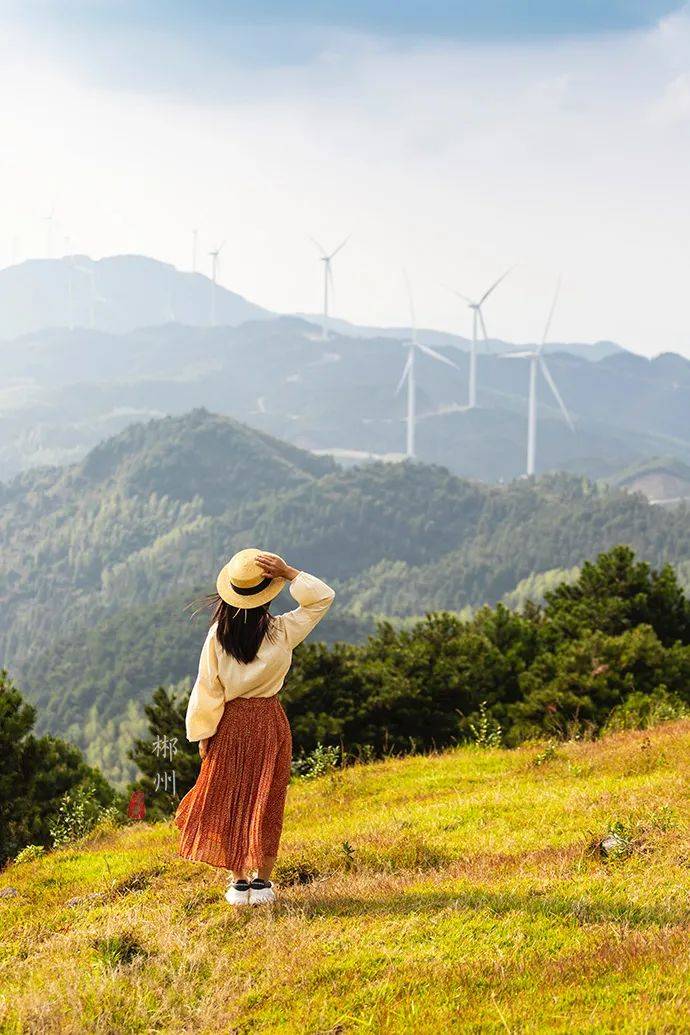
(233, 815)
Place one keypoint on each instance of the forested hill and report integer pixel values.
(68, 536)
(216, 460)
(149, 516)
(159, 507)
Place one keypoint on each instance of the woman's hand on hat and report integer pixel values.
(275, 567)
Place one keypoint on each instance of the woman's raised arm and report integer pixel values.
(313, 595)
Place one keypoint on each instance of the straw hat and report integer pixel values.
(243, 583)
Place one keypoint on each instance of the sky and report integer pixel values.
(452, 140)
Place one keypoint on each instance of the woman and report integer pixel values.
(232, 817)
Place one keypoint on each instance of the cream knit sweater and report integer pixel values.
(221, 677)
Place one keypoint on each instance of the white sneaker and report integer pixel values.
(261, 891)
(238, 893)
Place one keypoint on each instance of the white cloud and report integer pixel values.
(452, 160)
(674, 104)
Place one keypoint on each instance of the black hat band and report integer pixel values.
(248, 592)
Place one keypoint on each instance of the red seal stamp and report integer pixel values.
(136, 808)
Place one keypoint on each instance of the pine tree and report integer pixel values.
(166, 750)
(34, 775)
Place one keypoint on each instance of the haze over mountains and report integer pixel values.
(592, 352)
(115, 294)
(120, 293)
(140, 347)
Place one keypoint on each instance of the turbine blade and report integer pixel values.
(436, 355)
(551, 312)
(340, 246)
(481, 320)
(406, 370)
(552, 385)
(516, 355)
(319, 246)
(494, 286)
(458, 294)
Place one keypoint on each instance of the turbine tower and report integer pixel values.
(408, 374)
(477, 321)
(214, 272)
(537, 362)
(326, 259)
(195, 239)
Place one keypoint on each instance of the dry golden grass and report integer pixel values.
(471, 898)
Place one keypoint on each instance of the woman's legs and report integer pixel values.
(272, 820)
(264, 872)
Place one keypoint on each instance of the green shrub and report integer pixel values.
(78, 813)
(639, 711)
(486, 732)
(30, 853)
(321, 760)
(546, 755)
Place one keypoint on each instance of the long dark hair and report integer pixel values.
(240, 631)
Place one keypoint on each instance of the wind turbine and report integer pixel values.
(538, 362)
(408, 373)
(195, 239)
(326, 259)
(477, 321)
(214, 271)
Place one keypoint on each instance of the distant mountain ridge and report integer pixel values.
(116, 294)
(64, 390)
(122, 293)
(594, 351)
(661, 479)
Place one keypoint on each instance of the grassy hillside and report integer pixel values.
(458, 892)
